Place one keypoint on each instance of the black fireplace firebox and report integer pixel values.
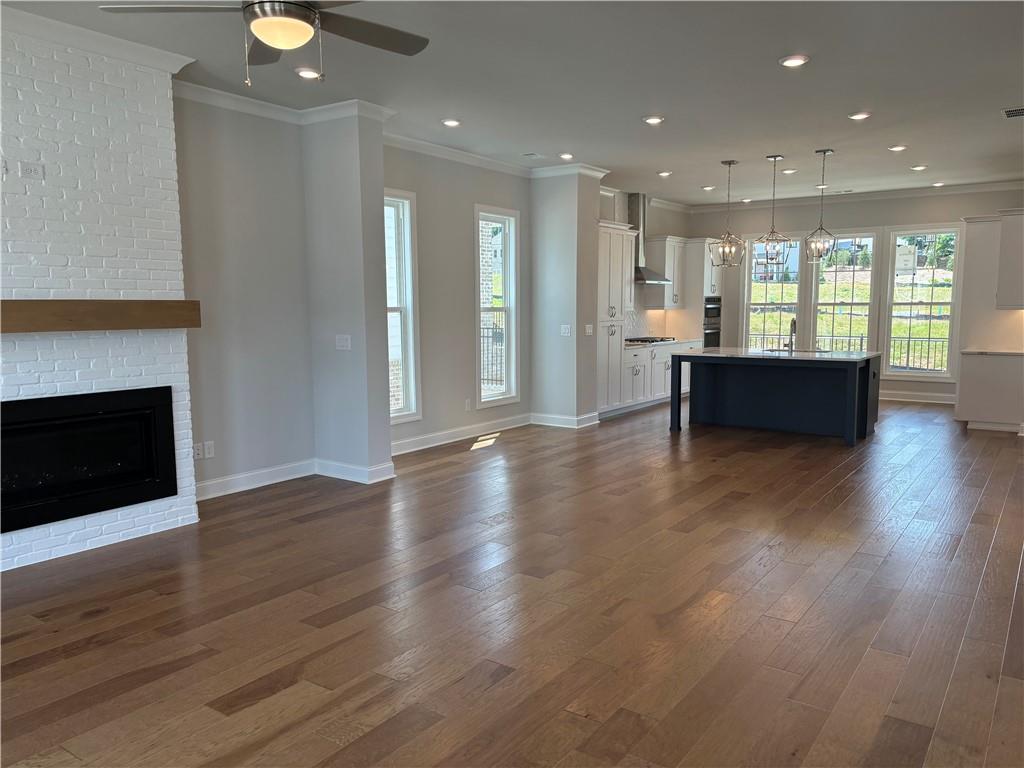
(63, 457)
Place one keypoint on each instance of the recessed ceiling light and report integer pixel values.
(918, 167)
(664, 174)
(789, 171)
(897, 147)
(859, 115)
(821, 186)
(708, 188)
(566, 155)
(795, 60)
(654, 119)
(938, 183)
(307, 73)
(747, 200)
(451, 122)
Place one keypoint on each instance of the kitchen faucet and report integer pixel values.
(792, 334)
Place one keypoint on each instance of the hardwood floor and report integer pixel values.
(613, 596)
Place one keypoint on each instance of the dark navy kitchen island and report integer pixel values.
(820, 393)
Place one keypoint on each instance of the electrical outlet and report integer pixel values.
(343, 341)
(197, 450)
(566, 330)
(588, 329)
(34, 171)
(208, 449)
(468, 406)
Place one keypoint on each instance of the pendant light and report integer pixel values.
(776, 244)
(820, 243)
(728, 250)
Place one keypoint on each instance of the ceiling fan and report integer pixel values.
(283, 25)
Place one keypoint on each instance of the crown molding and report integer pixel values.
(882, 194)
(455, 155)
(343, 109)
(609, 191)
(574, 169)
(234, 102)
(24, 23)
(670, 205)
(976, 219)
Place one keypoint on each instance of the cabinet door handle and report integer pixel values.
(652, 354)
(611, 311)
(611, 330)
(668, 366)
(675, 298)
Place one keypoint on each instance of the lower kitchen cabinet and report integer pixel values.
(609, 366)
(635, 381)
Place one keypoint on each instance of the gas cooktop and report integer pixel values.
(649, 339)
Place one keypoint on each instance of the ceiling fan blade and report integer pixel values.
(375, 35)
(261, 53)
(169, 8)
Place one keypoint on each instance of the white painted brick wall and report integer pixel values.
(102, 224)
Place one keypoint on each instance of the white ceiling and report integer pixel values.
(552, 77)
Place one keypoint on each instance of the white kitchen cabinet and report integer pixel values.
(665, 255)
(615, 244)
(635, 380)
(609, 366)
(1010, 285)
(712, 277)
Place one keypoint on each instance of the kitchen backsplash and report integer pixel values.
(644, 322)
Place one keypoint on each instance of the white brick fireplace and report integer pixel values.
(103, 223)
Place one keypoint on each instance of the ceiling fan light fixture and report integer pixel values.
(281, 25)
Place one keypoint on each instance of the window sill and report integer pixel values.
(405, 418)
(938, 378)
(511, 399)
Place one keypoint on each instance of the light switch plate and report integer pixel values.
(343, 341)
(566, 330)
(208, 449)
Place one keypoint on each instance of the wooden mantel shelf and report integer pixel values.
(51, 315)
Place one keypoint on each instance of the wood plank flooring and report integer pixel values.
(545, 597)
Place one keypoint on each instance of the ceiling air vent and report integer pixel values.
(1014, 112)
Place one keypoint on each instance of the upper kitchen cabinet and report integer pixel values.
(615, 245)
(665, 255)
(1010, 285)
(712, 276)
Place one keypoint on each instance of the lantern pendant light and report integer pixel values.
(728, 250)
(776, 245)
(820, 243)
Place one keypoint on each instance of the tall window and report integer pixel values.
(400, 258)
(773, 294)
(497, 356)
(922, 300)
(844, 296)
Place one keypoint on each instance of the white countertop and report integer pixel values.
(1005, 352)
(761, 354)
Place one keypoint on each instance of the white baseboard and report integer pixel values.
(941, 398)
(355, 473)
(997, 426)
(244, 481)
(568, 422)
(434, 439)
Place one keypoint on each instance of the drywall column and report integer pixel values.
(565, 204)
(343, 165)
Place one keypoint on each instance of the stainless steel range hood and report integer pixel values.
(636, 213)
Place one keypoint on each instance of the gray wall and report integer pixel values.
(243, 237)
(446, 193)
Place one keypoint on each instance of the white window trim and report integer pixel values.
(885, 329)
(412, 299)
(874, 306)
(748, 268)
(512, 302)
